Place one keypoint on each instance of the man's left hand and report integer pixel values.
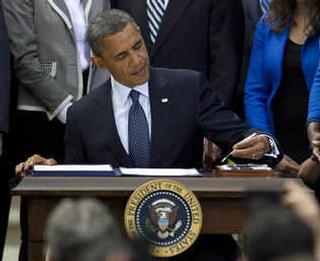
(253, 147)
(23, 167)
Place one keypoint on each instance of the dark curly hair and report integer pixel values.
(281, 14)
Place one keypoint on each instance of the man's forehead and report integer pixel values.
(129, 31)
(123, 39)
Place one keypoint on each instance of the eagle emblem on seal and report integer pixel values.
(163, 215)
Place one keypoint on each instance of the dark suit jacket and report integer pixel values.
(202, 35)
(4, 76)
(252, 13)
(178, 126)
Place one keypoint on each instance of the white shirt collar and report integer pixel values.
(123, 91)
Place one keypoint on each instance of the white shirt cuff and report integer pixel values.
(62, 115)
(274, 152)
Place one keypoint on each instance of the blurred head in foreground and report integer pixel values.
(277, 233)
(84, 230)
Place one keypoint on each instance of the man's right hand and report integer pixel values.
(23, 167)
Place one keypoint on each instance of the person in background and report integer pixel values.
(52, 64)
(284, 60)
(51, 60)
(204, 36)
(287, 228)
(4, 128)
(252, 11)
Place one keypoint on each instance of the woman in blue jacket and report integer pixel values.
(283, 65)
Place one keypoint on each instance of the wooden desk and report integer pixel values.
(222, 199)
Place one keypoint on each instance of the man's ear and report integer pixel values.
(98, 62)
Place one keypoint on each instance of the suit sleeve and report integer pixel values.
(256, 86)
(226, 31)
(73, 146)
(19, 16)
(217, 122)
(4, 76)
(222, 126)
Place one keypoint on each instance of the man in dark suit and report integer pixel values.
(204, 35)
(179, 107)
(172, 110)
(4, 127)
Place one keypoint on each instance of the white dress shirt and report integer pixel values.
(79, 23)
(122, 102)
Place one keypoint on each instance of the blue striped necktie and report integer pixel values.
(138, 133)
(264, 4)
(155, 12)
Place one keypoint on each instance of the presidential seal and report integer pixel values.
(166, 214)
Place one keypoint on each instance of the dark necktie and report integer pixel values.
(155, 13)
(138, 133)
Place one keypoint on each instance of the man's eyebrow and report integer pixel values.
(120, 53)
(139, 41)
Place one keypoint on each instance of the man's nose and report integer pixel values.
(134, 58)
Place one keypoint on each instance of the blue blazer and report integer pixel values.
(265, 74)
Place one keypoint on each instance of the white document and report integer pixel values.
(66, 167)
(161, 172)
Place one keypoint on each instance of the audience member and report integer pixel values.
(51, 62)
(288, 229)
(284, 60)
(277, 232)
(84, 230)
(4, 128)
(100, 126)
(303, 202)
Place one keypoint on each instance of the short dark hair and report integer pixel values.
(105, 24)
